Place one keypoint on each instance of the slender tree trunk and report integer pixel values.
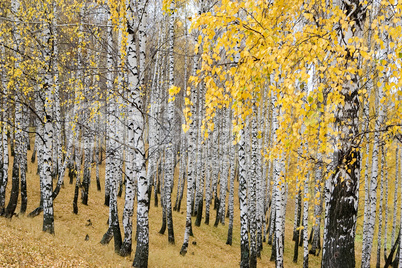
(252, 205)
(398, 258)
(296, 231)
(57, 150)
(225, 163)
(12, 204)
(199, 203)
(368, 236)
(24, 161)
(386, 199)
(141, 252)
(279, 185)
(77, 173)
(215, 160)
(46, 179)
(170, 154)
(305, 222)
(163, 227)
(39, 147)
(114, 227)
(192, 139)
(380, 211)
(3, 135)
(395, 202)
(5, 159)
(130, 193)
(316, 241)
(244, 239)
(272, 236)
(232, 151)
(214, 167)
(97, 159)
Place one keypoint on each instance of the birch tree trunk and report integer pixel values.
(78, 112)
(46, 179)
(184, 138)
(366, 112)
(39, 107)
(233, 159)
(141, 252)
(60, 169)
(280, 203)
(260, 179)
(24, 160)
(368, 236)
(244, 240)
(120, 110)
(133, 81)
(399, 259)
(111, 168)
(395, 202)
(214, 173)
(170, 153)
(225, 163)
(305, 222)
(199, 202)
(296, 232)
(12, 204)
(253, 189)
(4, 140)
(342, 188)
(316, 243)
(386, 199)
(192, 139)
(153, 139)
(57, 156)
(380, 214)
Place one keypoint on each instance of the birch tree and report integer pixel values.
(137, 128)
(170, 154)
(340, 225)
(114, 227)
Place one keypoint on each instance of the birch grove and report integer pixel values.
(229, 120)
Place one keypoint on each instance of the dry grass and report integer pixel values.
(23, 244)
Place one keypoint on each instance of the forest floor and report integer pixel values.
(23, 244)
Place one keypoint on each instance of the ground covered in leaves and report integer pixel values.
(77, 237)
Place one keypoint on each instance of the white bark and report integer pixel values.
(225, 140)
(170, 152)
(130, 164)
(380, 211)
(4, 140)
(397, 176)
(192, 139)
(141, 253)
(386, 199)
(111, 165)
(232, 152)
(244, 240)
(305, 222)
(279, 185)
(254, 169)
(400, 220)
(371, 219)
(153, 139)
(46, 179)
